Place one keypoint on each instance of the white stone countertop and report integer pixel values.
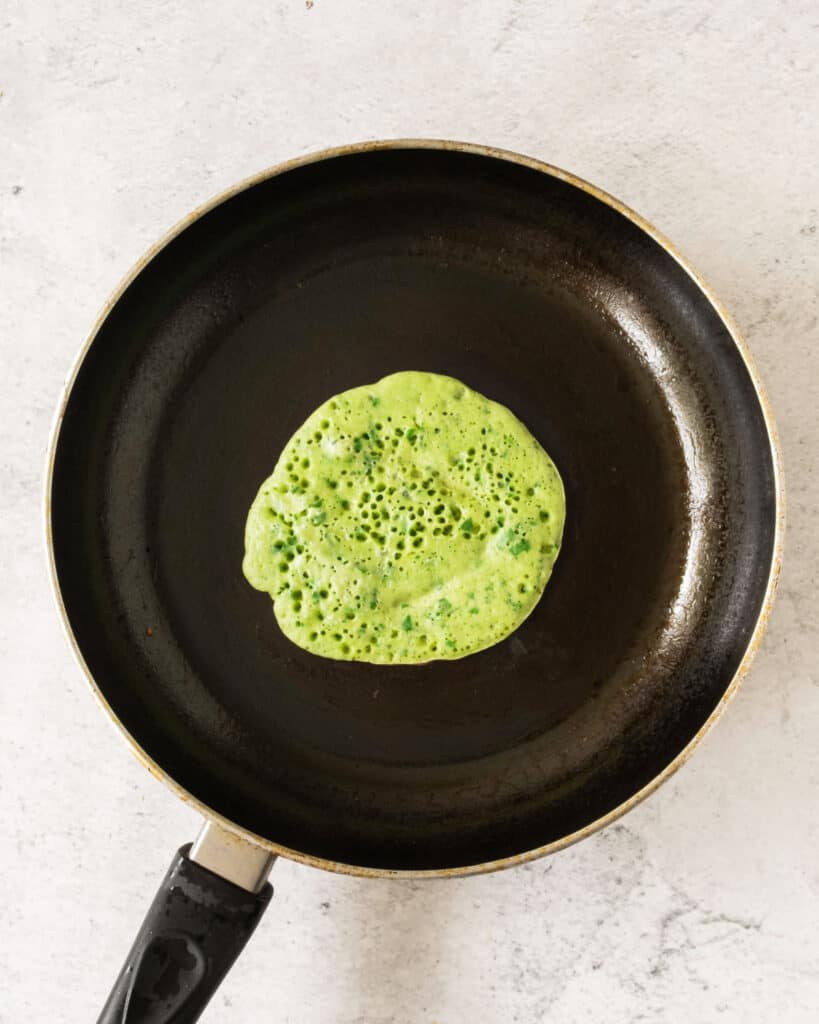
(116, 120)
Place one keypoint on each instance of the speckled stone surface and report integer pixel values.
(115, 121)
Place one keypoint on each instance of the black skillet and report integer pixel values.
(537, 290)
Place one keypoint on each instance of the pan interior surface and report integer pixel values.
(540, 296)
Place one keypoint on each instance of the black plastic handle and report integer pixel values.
(196, 927)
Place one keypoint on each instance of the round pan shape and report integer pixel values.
(535, 289)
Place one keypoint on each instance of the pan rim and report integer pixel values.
(760, 625)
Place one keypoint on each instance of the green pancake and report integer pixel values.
(407, 520)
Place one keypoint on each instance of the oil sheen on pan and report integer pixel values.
(407, 520)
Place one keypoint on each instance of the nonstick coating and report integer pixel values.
(535, 292)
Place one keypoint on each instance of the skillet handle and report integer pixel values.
(195, 928)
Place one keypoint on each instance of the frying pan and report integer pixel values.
(537, 290)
